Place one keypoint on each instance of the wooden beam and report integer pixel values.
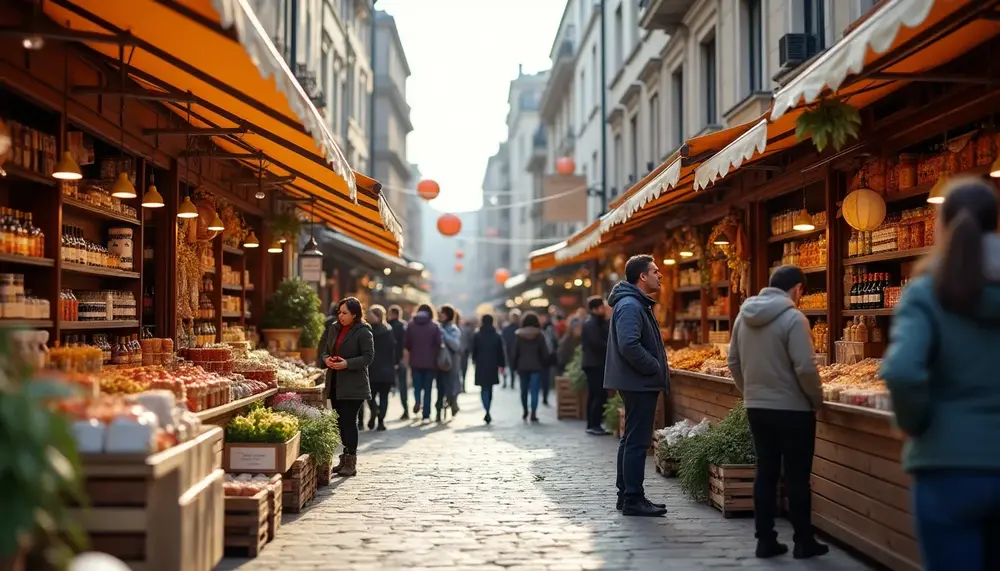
(131, 93)
(933, 78)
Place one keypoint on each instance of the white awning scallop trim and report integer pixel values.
(667, 179)
(589, 240)
(847, 56)
(389, 220)
(732, 156)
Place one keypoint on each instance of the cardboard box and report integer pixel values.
(259, 457)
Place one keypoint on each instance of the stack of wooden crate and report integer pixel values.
(299, 484)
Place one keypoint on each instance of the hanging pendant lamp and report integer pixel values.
(312, 247)
(803, 222)
(274, 248)
(251, 241)
(936, 195)
(123, 187)
(187, 209)
(216, 225)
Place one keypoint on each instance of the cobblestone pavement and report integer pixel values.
(463, 495)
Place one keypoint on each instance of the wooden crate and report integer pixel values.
(324, 475)
(567, 400)
(247, 523)
(162, 512)
(313, 396)
(299, 484)
(730, 488)
(275, 509)
(260, 457)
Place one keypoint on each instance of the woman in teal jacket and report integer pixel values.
(942, 367)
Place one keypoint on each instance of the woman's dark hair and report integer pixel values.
(595, 302)
(970, 210)
(427, 308)
(354, 307)
(530, 319)
(486, 321)
(448, 312)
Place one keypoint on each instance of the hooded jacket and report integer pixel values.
(941, 369)
(594, 341)
(358, 349)
(423, 341)
(771, 354)
(530, 353)
(382, 371)
(488, 356)
(636, 359)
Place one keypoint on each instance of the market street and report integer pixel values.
(509, 496)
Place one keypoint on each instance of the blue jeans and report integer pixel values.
(487, 395)
(531, 381)
(640, 411)
(423, 380)
(956, 513)
(401, 385)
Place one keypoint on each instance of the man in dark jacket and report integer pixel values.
(636, 366)
(422, 343)
(594, 345)
(398, 332)
(508, 336)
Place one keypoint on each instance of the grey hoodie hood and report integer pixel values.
(423, 318)
(765, 307)
(625, 289)
(529, 332)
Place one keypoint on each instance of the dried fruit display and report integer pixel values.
(692, 358)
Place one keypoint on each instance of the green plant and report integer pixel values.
(611, 412)
(574, 370)
(320, 437)
(831, 122)
(295, 305)
(727, 442)
(285, 225)
(39, 467)
(262, 425)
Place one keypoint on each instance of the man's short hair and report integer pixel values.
(787, 277)
(395, 310)
(594, 302)
(636, 266)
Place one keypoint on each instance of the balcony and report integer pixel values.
(560, 79)
(539, 150)
(307, 79)
(664, 15)
(568, 143)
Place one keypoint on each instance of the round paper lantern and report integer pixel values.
(428, 189)
(501, 275)
(565, 165)
(449, 224)
(459, 254)
(459, 267)
(864, 209)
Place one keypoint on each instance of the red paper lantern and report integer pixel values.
(459, 267)
(459, 254)
(565, 165)
(501, 275)
(428, 189)
(449, 224)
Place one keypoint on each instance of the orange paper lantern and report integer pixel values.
(428, 189)
(459, 254)
(449, 224)
(565, 165)
(501, 275)
(459, 268)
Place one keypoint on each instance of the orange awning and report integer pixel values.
(217, 51)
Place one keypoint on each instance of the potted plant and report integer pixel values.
(724, 455)
(292, 319)
(285, 225)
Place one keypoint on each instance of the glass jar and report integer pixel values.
(906, 171)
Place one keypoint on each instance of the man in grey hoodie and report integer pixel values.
(773, 364)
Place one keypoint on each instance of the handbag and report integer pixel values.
(444, 360)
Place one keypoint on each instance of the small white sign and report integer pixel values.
(311, 268)
(251, 459)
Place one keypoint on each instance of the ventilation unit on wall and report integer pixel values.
(796, 49)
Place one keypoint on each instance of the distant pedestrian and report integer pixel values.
(552, 324)
(398, 335)
(773, 364)
(568, 343)
(422, 343)
(941, 367)
(530, 356)
(382, 371)
(594, 344)
(468, 330)
(636, 366)
(346, 350)
(508, 335)
(489, 358)
(450, 380)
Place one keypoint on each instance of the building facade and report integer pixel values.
(523, 146)
(492, 252)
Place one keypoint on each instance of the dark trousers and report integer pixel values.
(372, 408)
(466, 356)
(597, 396)
(546, 382)
(789, 436)
(347, 413)
(640, 411)
(401, 386)
(380, 394)
(487, 396)
(955, 512)
(446, 393)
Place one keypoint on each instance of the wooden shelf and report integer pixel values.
(869, 312)
(795, 234)
(16, 172)
(99, 212)
(232, 287)
(688, 289)
(721, 284)
(922, 189)
(687, 317)
(27, 260)
(718, 318)
(96, 271)
(232, 250)
(809, 270)
(208, 270)
(117, 324)
(26, 323)
(887, 256)
(686, 261)
(235, 405)
(235, 315)
(814, 312)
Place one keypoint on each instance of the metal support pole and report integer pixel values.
(604, 112)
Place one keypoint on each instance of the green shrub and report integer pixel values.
(611, 412)
(295, 305)
(727, 442)
(574, 370)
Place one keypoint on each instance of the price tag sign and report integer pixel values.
(251, 459)
(311, 268)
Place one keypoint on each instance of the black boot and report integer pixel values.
(641, 508)
(809, 549)
(525, 415)
(767, 548)
(534, 416)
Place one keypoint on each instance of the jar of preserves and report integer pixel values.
(906, 171)
(875, 173)
(984, 148)
(917, 231)
(892, 179)
(903, 233)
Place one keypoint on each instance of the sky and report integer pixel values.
(462, 59)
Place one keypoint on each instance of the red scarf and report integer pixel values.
(340, 338)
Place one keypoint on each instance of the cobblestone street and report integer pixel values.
(509, 496)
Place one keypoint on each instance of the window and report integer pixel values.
(596, 74)
(618, 166)
(335, 97)
(709, 87)
(594, 166)
(583, 97)
(619, 39)
(654, 128)
(677, 109)
(634, 128)
(362, 100)
(633, 25)
(754, 42)
(324, 81)
(815, 21)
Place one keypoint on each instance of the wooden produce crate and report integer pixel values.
(730, 488)
(313, 396)
(260, 457)
(161, 512)
(567, 400)
(324, 475)
(275, 506)
(299, 484)
(246, 523)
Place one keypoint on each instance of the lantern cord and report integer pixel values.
(499, 206)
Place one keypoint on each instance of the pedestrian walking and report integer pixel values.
(489, 359)
(468, 330)
(568, 344)
(346, 351)
(594, 344)
(382, 371)
(530, 356)
(941, 370)
(508, 335)
(422, 343)
(551, 327)
(398, 333)
(773, 364)
(636, 366)
(449, 380)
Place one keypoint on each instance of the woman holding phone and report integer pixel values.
(346, 350)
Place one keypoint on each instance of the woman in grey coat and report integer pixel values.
(449, 382)
(346, 350)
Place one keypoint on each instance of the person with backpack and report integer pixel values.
(488, 357)
(449, 376)
(422, 345)
(530, 356)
